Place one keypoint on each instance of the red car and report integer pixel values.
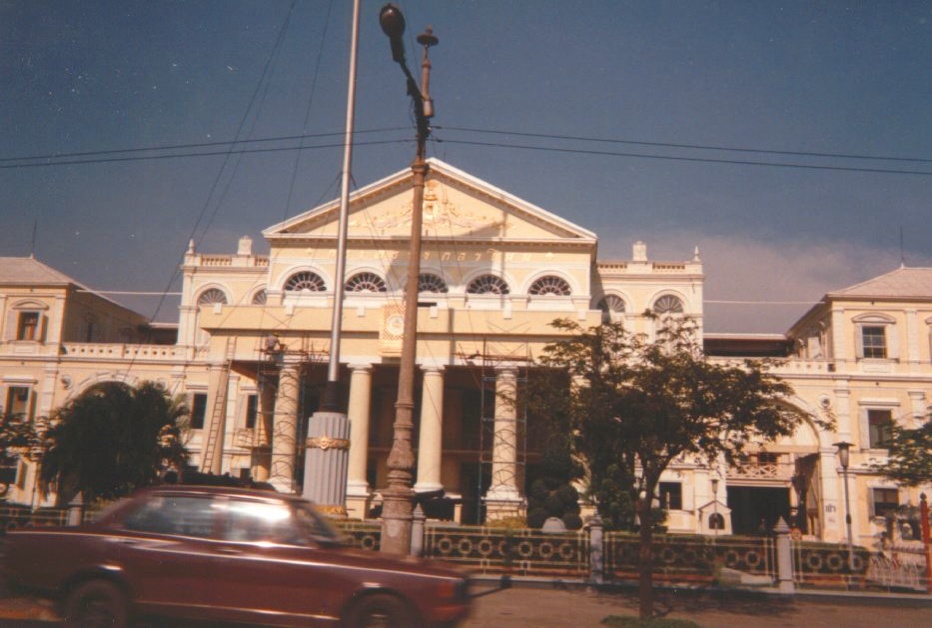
(230, 555)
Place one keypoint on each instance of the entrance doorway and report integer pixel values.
(756, 509)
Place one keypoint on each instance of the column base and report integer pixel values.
(358, 500)
(502, 502)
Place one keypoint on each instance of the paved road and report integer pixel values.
(549, 606)
(523, 607)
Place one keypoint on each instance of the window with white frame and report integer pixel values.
(884, 500)
(671, 495)
(29, 325)
(252, 410)
(879, 428)
(876, 337)
(874, 341)
(198, 410)
(18, 402)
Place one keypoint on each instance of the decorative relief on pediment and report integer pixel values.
(439, 213)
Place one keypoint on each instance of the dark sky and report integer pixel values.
(834, 96)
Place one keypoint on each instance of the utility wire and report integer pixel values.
(739, 162)
(730, 149)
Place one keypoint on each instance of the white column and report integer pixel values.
(503, 498)
(358, 492)
(430, 442)
(285, 428)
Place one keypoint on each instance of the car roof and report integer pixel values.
(229, 491)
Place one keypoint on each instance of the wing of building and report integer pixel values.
(252, 342)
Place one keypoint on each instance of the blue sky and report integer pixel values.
(776, 82)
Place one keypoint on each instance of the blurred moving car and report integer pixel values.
(231, 555)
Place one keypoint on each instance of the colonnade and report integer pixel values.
(280, 451)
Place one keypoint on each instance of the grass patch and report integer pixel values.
(630, 621)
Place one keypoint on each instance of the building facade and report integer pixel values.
(252, 343)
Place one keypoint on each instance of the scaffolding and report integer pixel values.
(502, 419)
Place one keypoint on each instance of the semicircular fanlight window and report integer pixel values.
(428, 282)
(366, 282)
(668, 304)
(488, 284)
(305, 281)
(550, 285)
(212, 296)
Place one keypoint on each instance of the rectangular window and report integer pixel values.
(198, 410)
(874, 342)
(28, 327)
(671, 496)
(17, 401)
(252, 410)
(885, 500)
(879, 423)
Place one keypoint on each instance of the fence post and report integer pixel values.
(784, 558)
(76, 510)
(596, 550)
(417, 531)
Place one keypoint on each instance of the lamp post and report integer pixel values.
(715, 504)
(398, 496)
(844, 457)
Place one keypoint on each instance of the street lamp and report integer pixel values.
(715, 505)
(397, 499)
(844, 457)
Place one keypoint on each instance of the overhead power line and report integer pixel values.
(181, 151)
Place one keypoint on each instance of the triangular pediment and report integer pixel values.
(456, 206)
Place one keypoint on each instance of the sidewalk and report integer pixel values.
(580, 608)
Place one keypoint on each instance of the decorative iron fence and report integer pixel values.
(827, 564)
(687, 558)
(523, 552)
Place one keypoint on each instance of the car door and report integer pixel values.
(166, 549)
(273, 567)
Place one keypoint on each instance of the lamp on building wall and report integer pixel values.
(398, 497)
(844, 457)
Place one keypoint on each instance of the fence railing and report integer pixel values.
(610, 556)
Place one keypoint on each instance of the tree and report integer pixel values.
(636, 405)
(910, 455)
(113, 439)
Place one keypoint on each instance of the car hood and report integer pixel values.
(396, 563)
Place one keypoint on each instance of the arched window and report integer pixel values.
(668, 304)
(487, 284)
(428, 282)
(260, 298)
(212, 296)
(612, 307)
(550, 285)
(305, 281)
(366, 282)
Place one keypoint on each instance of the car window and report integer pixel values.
(260, 521)
(316, 526)
(173, 514)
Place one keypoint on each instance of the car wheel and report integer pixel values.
(380, 611)
(96, 603)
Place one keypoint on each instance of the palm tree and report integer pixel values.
(113, 439)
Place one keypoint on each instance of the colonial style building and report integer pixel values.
(252, 342)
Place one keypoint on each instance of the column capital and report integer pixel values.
(360, 366)
(433, 368)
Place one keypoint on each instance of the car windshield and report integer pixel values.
(290, 523)
(317, 526)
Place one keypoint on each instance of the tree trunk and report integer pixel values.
(645, 561)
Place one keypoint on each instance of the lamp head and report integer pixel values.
(392, 21)
(844, 453)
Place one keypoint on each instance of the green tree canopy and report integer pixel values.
(113, 439)
(633, 406)
(910, 455)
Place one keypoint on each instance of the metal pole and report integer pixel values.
(926, 545)
(397, 504)
(331, 400)
(844, 473)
